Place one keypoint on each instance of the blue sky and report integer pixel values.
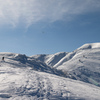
(48, 26)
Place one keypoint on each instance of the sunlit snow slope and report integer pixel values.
(23, 83)
(37, 78)
(82, 64)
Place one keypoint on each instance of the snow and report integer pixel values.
(34, 78)
(27, 84)
(82, 64)
(89, 46)
(52, 59)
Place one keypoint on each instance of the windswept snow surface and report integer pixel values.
(23, 83)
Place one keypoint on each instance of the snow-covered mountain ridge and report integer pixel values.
(90, 46)
(82, 64)
(37, 78)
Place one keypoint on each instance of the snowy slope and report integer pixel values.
(82, 64)
(23, 83)
(50, 60)
(21, 60)
(33, 78)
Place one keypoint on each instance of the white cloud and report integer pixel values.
(27, 12)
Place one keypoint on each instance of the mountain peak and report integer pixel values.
(89, 46)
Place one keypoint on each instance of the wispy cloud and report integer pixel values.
(27, 12)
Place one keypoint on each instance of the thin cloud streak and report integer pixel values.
(28, 12)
